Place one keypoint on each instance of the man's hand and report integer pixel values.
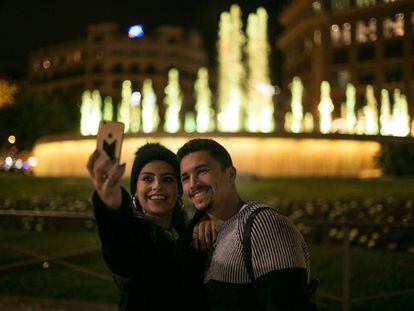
(106, 178)
(205, 233)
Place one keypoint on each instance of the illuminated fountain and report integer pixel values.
(150, 117)
(350, 108)
(400, 117)
(173, 101)
(325, 107)
(90, 112)
(385, 113)
(204, 111)
(296, 89)
(244, 104)
(259, 104)
(124, 108)
(231, 72)
(371, 112)
(135, 112)
(108, 113)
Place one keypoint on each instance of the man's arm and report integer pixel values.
(279, 262)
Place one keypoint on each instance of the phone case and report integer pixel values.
(109, 139)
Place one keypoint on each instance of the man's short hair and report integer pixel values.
(216, 151)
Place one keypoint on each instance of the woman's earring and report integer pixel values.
(181, 203)
(137, 207)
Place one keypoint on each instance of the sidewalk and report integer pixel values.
(17, 303)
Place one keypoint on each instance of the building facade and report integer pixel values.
(365, 42)
(107, 57)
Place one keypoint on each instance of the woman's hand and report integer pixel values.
(106, 178)
(205, 233)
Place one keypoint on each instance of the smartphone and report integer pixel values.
(109, 138)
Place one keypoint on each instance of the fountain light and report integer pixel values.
(204, 117)
(296, 89)
(125, 105)
(173, 101)
(371, 112)
(108, 113)
(350, 108)
(150, 118)
(325, 108)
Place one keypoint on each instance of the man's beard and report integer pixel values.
(208, 207)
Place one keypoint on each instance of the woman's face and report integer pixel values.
(157, 188)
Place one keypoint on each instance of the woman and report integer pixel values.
(144, 246)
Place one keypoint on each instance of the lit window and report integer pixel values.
(46, 64)
(394, 27)
(316, 5)
(340, 4)
(366, 31)
(77, 56)
(317, 37)
(363, 3)
(341, 36)
(36, 66)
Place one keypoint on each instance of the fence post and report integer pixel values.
(346, 264)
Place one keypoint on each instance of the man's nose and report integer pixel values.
(193, 181)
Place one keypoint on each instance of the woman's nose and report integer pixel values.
(157, 184)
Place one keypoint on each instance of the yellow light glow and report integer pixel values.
(32, 161)
(277, 156)
(12, 139)
(7, 92)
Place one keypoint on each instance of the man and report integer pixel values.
(279, 253)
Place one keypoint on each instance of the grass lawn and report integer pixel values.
(372, 271)
(250, 189)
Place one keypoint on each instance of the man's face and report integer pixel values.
(206, 185)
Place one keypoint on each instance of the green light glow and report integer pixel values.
(385, 116)
(371, 112)
(108, 113)
(86, 113)
(350, 108)
(124, 107)
(205, 114)
(190, 122)
(296, 88)
(259, 110)
(150, 117)
(173, 101)
(400, 117)
(325, 108)
(231, 73)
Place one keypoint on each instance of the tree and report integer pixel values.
(34, 115)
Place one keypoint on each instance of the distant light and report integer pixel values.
(135, 31)
(135, 99)
(8, 162)
(26, 165)
(32, 161)
(18, 164)
(12, 139)
(46, 64)
(265, 88)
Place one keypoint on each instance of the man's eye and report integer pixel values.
(184, 178)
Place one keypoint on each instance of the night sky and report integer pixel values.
(25, 26)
